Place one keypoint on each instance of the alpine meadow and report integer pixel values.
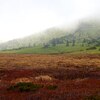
(49, 50)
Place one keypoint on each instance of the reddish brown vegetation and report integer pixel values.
(76, 76)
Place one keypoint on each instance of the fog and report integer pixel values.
(20, 18)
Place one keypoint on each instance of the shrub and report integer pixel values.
(22, 86)
(51, 87)
(91, 48)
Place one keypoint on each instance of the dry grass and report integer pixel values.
(48, 61)
(75, 76)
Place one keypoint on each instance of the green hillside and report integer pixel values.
(85, 38)
(61, 48)
(34, 40)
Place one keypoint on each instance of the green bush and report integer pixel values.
(22, 86)
(91, 48)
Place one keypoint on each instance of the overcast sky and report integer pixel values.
(19, 18)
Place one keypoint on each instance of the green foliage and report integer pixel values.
(52, 87)
(58, 49)
(11, 88)
(91, 48)
(25, 87)
(84, 39)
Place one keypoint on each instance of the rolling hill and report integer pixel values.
(58, 40)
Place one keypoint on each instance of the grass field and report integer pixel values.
(54, 50)
(50, 77)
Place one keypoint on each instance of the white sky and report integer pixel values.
(19, 18)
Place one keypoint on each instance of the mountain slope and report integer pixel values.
(86, 35)
(34, 40)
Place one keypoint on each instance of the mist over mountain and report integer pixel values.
(34, 40)
(84, 32)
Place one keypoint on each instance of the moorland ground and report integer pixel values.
(63, 76)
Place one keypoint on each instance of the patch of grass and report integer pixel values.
(58, 49)
(61, 48)
(25, 87)
(52, 87)
(91, 48)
